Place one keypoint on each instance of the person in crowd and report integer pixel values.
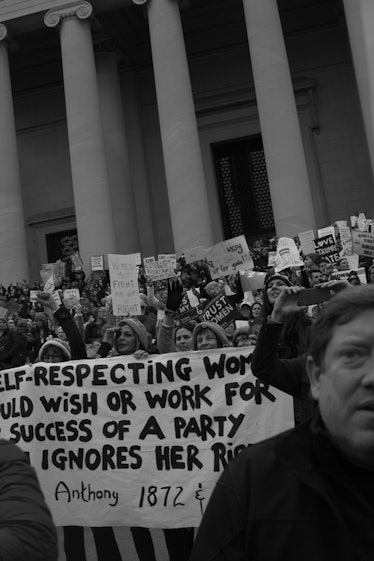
(245, 310)
(326, 269)
(209, 335)
(96, 329)
(315, 278)
(370, 274)
(13, 347)
(27, 529)
(353, 278)
(256, 310)
(242, 337)
(311, 261)
(342, 264)
(307, 493)
(56, 350)
(41, 331)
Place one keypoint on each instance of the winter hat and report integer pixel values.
(139, 330)
(267, 306)
(218, 331)
(211, 286)
(244, 329)
(58, 344)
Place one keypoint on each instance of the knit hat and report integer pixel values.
(211, 286)
(140, 331)
(218, 331)
(267, 306)
(244, 329)
(58, 344)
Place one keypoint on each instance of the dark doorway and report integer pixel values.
(243, 188)
(60, 245)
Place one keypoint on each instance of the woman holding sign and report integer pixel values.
(56, 350)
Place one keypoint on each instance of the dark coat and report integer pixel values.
(27, 531)
(274, 503)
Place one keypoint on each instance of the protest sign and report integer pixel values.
(97, 263)
(306, 241)
(195, 254)
(71, 297)
(346, 240)
(33, 296)
(124, 285)
(272, 256)
(326, 247)
(228, 257)
(287, 255)
(121, 441)
(190, 315)
(252, 280)
(160, 270)
(352, 261)
(3, 312)
(343, 275)
(49, 285)
(220, 311)
(76, 262)
(363, 243)
(327, 231)
(147, 260)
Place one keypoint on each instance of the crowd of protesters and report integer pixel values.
(34, 328)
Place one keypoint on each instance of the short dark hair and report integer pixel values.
(340, 310)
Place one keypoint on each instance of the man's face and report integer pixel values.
(316, 277)
(344, 388)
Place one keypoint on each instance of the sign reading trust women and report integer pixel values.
(121, 441)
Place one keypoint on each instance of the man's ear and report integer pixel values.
(314, 374)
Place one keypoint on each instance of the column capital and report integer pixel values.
(80, 10)
(3, 32)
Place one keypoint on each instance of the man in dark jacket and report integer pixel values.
(308, 493)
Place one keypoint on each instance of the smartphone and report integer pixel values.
(312, 296)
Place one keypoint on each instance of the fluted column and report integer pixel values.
(360, 17)
(13, 249)
(280, 129)
(121, 189)
(86, 143)
(184, 170)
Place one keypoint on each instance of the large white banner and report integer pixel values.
(126, 442)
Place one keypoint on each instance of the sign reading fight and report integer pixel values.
(124, 284)
(121, 441)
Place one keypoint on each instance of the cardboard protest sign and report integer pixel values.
(221, 311)
(228, 257)
(363, 243)
(343, 275)
(49, 285)
(3, 312)
(327, 231)
(121, 441)
(147, 260)
(189, 315)
(124, 285)
(326, 247)
(353, 261)
(306, 241)
(160, 270)
(76, 262)
(97, 263)
(287, 255)
(71, 297)
(346, 240)
(195, 254)
(252, 280)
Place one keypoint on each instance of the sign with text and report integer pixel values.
(287, 255)
(228, 257)
(343, 275)
(120, 441)
(363, 243)
(306, 241)
(220, 311)
(97, 262)
(326, 247)
(160, 270)
(124, 284)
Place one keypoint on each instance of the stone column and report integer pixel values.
(188, 199)
(360, 16)
(86, 143)
(280, 129)
(124, 210)
(13, 249)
